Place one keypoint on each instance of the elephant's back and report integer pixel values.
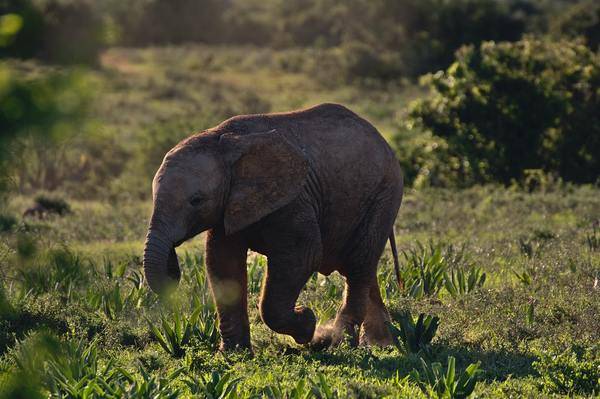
(346, 149)
(351, 165)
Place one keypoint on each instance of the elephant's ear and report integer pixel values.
(267, 172)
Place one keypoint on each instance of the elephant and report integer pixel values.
(314, 190)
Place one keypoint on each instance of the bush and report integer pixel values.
(172, 22)
(581, 19)
(53, 204)
(505, 108)
(574, 371)
(7, 222)
(66, 32)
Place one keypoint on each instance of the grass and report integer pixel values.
(512, 276)
(88, 287)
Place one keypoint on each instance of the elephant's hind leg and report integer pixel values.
(360, 269)
(374, 329)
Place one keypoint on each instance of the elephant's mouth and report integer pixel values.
(173, 270)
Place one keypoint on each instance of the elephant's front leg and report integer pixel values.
(295, 255)
(226, 265)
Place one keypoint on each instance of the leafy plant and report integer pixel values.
(213, 385)
(174, 334)
(146, 385)
(322, 389)
(255, 274)
(531, 248)
(67, 369)
(530, 314)
(76, 371)
(206, 328)
(524, 277)
(592, 239)
(53, 270)
(424, 270)
(459, 282)
(111, 271)
(300, 391)
(446, 384)
(305, 388)
(412, 336)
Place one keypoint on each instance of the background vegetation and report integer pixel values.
(491, 105)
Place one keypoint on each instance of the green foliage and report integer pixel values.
(38, 104)
(66, 32)
(304, 389)
(573, 371)
(255, 274)
(112, 301)
(214, 385)
(69, 369)
(459, 282)
(524, 277)
(7, 222)
(56, 269)
(489, 325)
(592, 239)
(504, 108)
(175, 333)
(581, 19)
(75, 371)
(49, 106)
(147, 385)
(423, 273)
(447, 385)
(414, 336)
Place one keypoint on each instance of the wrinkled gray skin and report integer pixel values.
(315, 190)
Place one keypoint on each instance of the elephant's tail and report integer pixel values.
(396, 263)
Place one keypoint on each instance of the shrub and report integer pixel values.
(53, 204)
(7, 222)
(574, 371)
(66, 32)
(582, 19)
(508, 107)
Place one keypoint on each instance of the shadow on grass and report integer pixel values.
(18, 324)
(497, 365)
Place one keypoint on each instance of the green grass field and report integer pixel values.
(78, 321)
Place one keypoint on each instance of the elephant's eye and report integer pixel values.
(195, 200)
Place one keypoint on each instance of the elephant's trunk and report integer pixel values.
(160, 262)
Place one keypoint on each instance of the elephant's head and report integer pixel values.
(212, 180)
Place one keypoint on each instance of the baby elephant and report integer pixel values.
(315, 190)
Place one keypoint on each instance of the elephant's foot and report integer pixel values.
(375, 335)
(306, 322)
(331, 335)
(299, 323)
(230, 345)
